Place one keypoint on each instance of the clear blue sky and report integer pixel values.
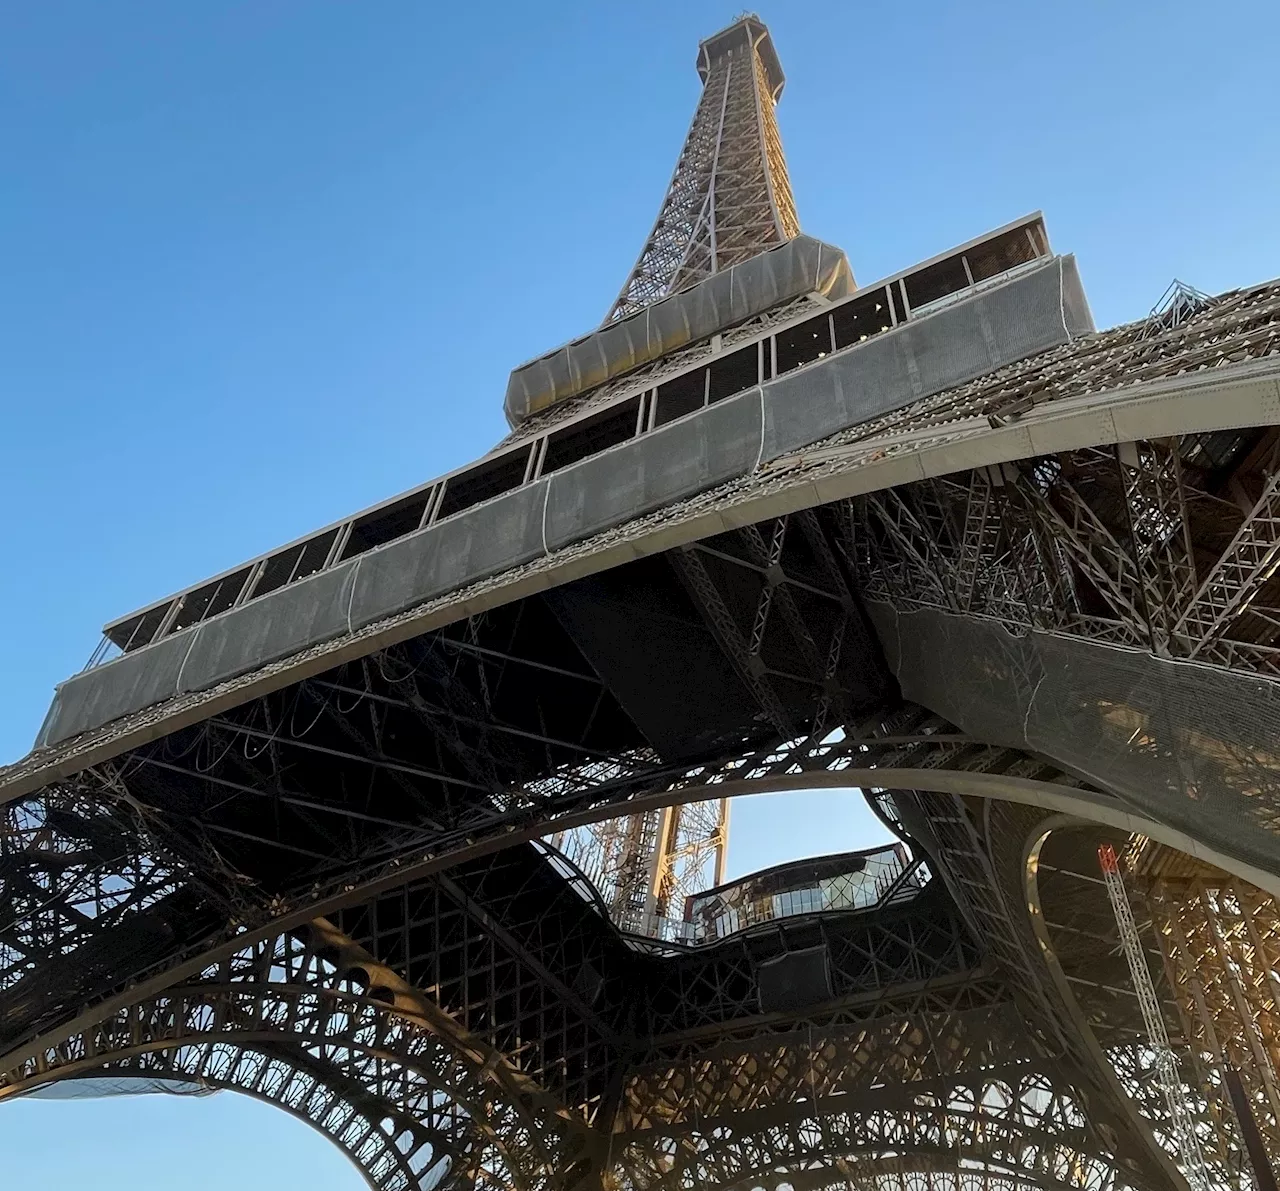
(263, 262)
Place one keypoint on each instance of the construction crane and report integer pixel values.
(1166, 1062)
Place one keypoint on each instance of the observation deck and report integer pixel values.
(844, 881)
(741, 396)
(839, 883)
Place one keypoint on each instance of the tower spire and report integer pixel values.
(729, 197)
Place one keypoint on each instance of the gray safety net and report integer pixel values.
(100, 1086)
(1191, 746)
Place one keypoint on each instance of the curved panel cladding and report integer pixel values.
(1182, 743)
(725, 299)
(1038, 307)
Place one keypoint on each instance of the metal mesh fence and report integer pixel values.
(1194, 747)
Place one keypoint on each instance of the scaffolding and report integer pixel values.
(645, 866)
(1166, 1062)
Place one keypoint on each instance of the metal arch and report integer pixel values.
(902, 761)
(262, 1065)
(1021, 1118)
(1032, 851)
(375, 1155)
(844, 776)
(581, 796)
(975, 870)
(983, 853)
(910, 761)
(343, 1041)
(1179, 895)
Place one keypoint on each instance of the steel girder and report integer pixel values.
(778, 603)
(516, 962)
(1220, 943)
(307, 1020)
(522, 993)
(182, 917)
(1140, 546)
(1125, 605)
(1072, 546)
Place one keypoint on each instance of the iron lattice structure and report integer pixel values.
(1030, 613)
(646, 866)
(729, 197)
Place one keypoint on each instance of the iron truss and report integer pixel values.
(297, 1020)
(730, 197)
(386, 801)
(919, 1052)
(503, 999)
(1212, 947)
(50, 845)
(332, 896)
(1164, 551)
(1169, 545)
(779, 604)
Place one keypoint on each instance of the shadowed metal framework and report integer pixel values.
(1028, 614)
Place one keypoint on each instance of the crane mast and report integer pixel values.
(1166, 1062)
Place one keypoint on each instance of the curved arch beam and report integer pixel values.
(1039, 924)
(1051, 796)
(178, 1019)
(403, 1072)
(383, 1165)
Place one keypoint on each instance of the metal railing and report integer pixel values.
(847, 881)
(843, 882)
(844, 325)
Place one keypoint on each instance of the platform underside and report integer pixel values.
(386, 783)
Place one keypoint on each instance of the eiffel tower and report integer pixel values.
(411, 827)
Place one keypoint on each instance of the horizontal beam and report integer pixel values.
(1235, 396)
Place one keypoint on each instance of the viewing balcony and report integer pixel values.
(847, 881)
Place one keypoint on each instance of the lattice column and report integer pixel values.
(729, 198)
(1160, 534)
(692, 857)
